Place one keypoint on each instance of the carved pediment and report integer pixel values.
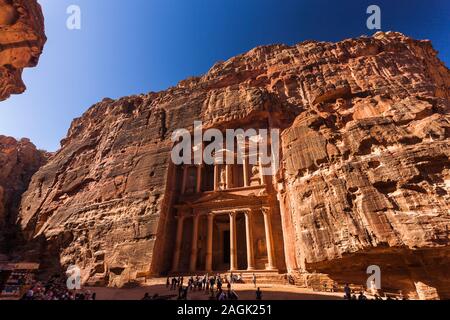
(222, 199)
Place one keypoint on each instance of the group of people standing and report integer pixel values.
(212, 285)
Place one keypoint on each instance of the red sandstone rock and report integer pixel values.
(365, 175)
(19, 160)
(22, 39)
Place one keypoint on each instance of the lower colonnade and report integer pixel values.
(210, 247)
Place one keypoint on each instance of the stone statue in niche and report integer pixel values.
(223, 178)
(255, 179)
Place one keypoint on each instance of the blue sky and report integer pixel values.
(137, 46)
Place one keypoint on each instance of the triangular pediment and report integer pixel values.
(219, 197)
(222, 198)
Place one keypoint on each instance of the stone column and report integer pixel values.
(194, 242)
(245, 168)
(249, 240)
(184, 182)
(269, 239)
(228, 172)
(178, 241)
(261, 175)
(199, 178)
(233, 243)
(216, 177)
(209, 242)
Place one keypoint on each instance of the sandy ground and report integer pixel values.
(244, 291)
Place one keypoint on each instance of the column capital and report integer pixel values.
(266, 210)
(233, 213)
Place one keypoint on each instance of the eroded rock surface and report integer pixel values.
(365, 175)
(19, 160)
(22, 39)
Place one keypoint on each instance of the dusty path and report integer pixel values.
(244, 291)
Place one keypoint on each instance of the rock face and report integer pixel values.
(22, 39)
(364, 178)
(19, 160)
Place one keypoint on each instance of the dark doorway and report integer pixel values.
(226, 246)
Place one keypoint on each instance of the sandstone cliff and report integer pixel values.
(365, 175)
(22, 39)
(19, 160)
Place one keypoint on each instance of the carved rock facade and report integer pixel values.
(364, 177)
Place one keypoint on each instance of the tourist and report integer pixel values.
(258, 294)
(197, 283)
(334, 287)
(182, 293)
(167, 282)
(221, 295)
(231, 295)
(254, 280)
(347, 292)
(146, 296)
(211, 283)
(362, 296)
(29, 295)
(204, 280)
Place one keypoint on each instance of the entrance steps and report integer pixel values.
(262, 276)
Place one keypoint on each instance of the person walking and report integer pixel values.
(347, 292)
(254, 279)
(258, 294)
